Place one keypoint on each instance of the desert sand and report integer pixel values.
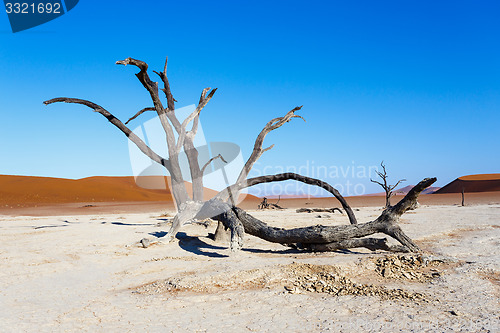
(87, 272)
(72, 261)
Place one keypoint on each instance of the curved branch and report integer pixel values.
(411, 198)
(374, 181)
(224, 194)
(139, 113)
(115, 121)
(210, 161)
(152, 88)
(166, 89)
(204, 99)
(392, 187)
(257, 148)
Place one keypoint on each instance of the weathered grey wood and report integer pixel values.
(186, 138)
(372, 244)
(222, 235)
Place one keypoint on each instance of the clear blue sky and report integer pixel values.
(413, 83)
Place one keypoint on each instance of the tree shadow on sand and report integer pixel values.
(194, 244)
(294, 251)
(132, 224)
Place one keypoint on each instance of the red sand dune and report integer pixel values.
(27, 191)
(41, 196)
(473, 183)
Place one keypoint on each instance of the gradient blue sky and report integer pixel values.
(413, 83)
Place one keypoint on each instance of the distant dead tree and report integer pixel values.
(318, 210)
(387, 188)
(264, 204)
(180, 139)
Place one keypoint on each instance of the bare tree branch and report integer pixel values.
(203, 101)
(394, 186)
(372, 244)
(374, 181)
(166, 89)
(411, 197)
(210, 161)
(257, 149)
(186, 139)
(139, 113)
(152, 88)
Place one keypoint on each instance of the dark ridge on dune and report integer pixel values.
(405, 190)
(473, 183)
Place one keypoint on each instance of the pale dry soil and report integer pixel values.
(87, 273)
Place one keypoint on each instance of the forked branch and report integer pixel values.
(257, 148)
(166, 89)
(210, 161)
(139, 113)
(151, 87)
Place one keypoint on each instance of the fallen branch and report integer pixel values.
(319, 238)
(318, 210)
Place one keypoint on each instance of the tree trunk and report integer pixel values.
(222, 235)
(387, 199)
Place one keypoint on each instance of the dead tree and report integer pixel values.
(264, 204)
(387, 188)
(222, 207)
